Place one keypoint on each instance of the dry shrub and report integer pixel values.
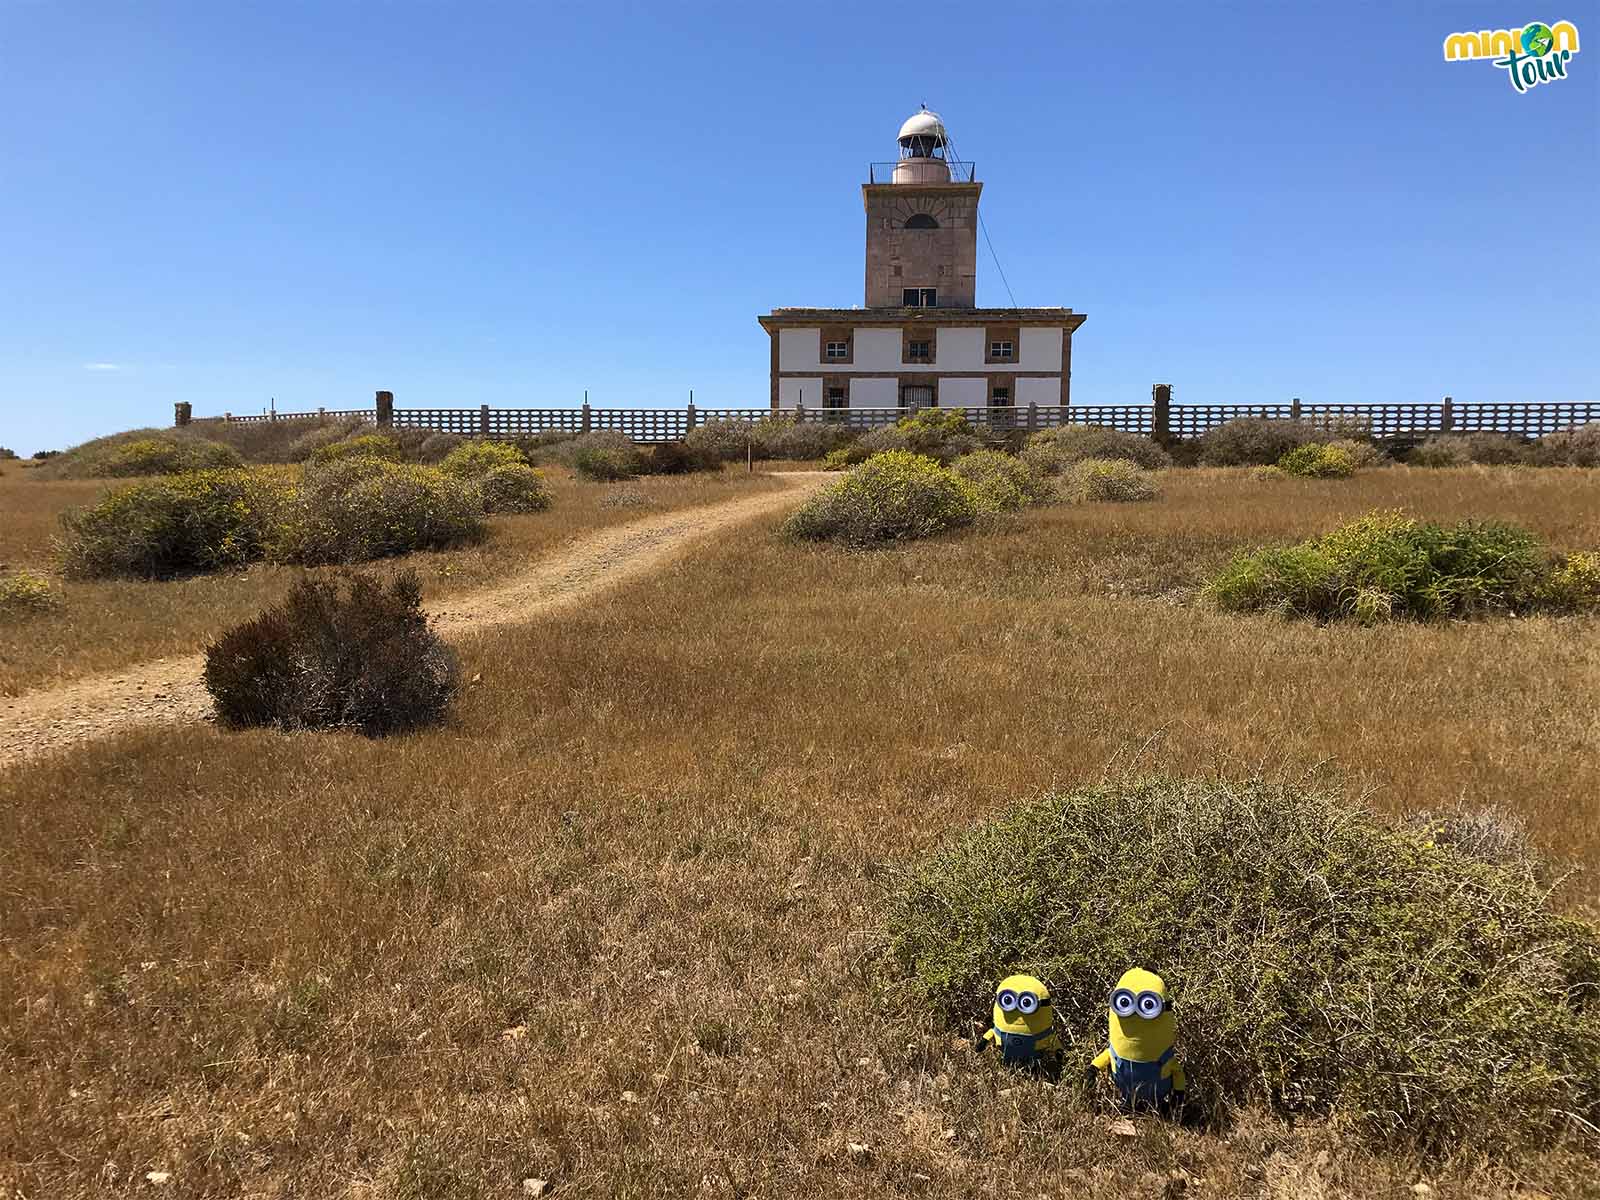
(365, 445)
(1001, 482)
(1114, 480)
(1574, 585)
(1272, 474)
(1489, 835)
(679, 458)
(1388, 565)
(472, 459)
(363, 508)
(319, 435)
(1254, 441)
(336, 654)
(894, 496)
(26, 594)
(436, 447)
(1321, 962)
(601, 454)
(175, 525)
(627, 497)
(1363, 454)
(1074, 443)
(1462, 449)
(1576, 447)
(1316, 461)
(723, 437)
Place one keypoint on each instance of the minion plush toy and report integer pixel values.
(1024, 1025)
(1140, 1057)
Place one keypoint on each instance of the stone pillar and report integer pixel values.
(1033, 416)
(385, 407)
(483, 420)
(690, 417)
(1447, 415)
(182, 413)
(587, 420)
(1161, 412)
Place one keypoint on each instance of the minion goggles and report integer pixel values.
(1148, 1005)
(1023, 1002)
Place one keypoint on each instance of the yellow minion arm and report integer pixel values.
(1102, 1061)
(1174, 1070)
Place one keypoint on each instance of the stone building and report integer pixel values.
(921, 339)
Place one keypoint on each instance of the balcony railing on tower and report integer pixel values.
(883, 172)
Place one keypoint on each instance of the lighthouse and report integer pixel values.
(921, 340)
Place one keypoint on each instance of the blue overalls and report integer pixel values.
(1018, 1047)
(1142, 1082)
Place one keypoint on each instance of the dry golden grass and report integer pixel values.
(103, 625)
(612, 927)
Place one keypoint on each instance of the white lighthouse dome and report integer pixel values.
(922, 146)
(923, 124)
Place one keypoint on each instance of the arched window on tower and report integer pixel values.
(921, 221)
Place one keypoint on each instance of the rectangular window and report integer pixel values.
(916, 396)
(1000, 397)
(838, 350)
(919, 297)
(835, 397)
(1002, 350)
(919, 351)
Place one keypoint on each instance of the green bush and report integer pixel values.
(319, 435)
(1574, 585)
(1576, 447)
(362, 508)
(26, 594)
(942, 438)
(1253, 441)
(336, 654)
(1321, 962)
(611, 454)
(1318, 461)
(1001, 482)
(436, 447)
(513, 488)
(1074, 443)
(1388, 565)
(722, 436)
(894, 496)
(471, 459)
(1462, 449)
(608, 465)
(366, 445)
(175, 525)
(1114, 480)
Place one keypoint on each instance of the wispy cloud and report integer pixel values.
(101, 366)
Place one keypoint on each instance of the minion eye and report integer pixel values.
(1150, 1005)
(1007, 1000)
(1027, 1002)
(1122, 1002)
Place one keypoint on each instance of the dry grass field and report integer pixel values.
(109, 624)
(614, 926)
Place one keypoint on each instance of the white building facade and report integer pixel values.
(920, 340)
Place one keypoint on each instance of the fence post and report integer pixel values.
(1033, 415)
(385, 407)
(483, 420)
(1294, 409)
(226, 417)
(585, 422)
(182, 413)
(690, 418)
(1161, 412)
(799, 412)
(1447, 415)
(322, 412)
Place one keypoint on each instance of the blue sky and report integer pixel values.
(510, 203)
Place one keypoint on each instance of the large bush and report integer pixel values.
(806, 441)
(1318, 461)
(471, 459)
(513, 488)
(363, 508)
(1001, 482)
(943, 434)
(679, 458)
(178, 524)
(1577, 447)
(1074, 443)
(143, 452)
(1254, 441)
(318, 435)
(723, 437)
(894, 496)
(1113, 480)
(601, 454)
(348, 653)
(1320, 961)
(1389, 565)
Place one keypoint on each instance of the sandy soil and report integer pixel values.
(169, 690)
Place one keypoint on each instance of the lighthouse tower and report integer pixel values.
(922, 224)
(921, 339)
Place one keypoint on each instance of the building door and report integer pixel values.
(916, 395)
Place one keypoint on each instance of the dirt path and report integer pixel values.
(169, 689)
